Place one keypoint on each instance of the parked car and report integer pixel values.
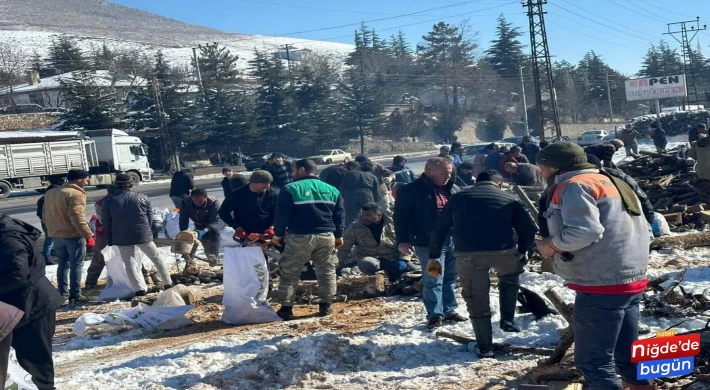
(516, 140)
(592, 137)
(330, 156)
(257, 160)
(472, 149)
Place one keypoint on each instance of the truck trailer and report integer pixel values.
(35, 159)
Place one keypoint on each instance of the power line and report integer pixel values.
(636, 13)
(643, 38)
(320, 9)
(643, 33)
(382, 19)
(663, 9)
(596, 37)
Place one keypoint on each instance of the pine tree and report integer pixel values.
(274, 108)
(318, 113)
(104, 58)
(362, 103)
(36, 62)
(661, 60)
(217, 67)
(399, 47)
(506, 54)
(65, 55)
(91, 106)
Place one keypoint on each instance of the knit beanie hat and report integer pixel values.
(565, 156)
(261, 177)
(76, 174)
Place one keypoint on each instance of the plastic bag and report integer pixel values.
(246, 285)
(660, 225)
(172, 224)
(226, 238)
(118, 285)
(169, 298)
(17, 377)
(142, 315)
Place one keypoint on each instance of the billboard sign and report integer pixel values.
(654, 88)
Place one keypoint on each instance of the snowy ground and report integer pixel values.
(379, 344)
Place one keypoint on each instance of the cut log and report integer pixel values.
(674, 219)
(655, 283)
(149, 299)
(504, 348)
(686, 241)
(674, 284)
(529, 205)
(560, 305)
(361, 287)
(557, 372)
(567, 338)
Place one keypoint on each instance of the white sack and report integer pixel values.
(246, 285)
(118, 285)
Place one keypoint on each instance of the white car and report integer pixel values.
(592, 137)
(331, 156)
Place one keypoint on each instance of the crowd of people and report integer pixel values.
(342, 218)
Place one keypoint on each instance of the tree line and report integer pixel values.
(385, 87)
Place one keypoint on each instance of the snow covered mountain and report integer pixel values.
(32, 24)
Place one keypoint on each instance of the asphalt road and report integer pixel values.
(23, 205)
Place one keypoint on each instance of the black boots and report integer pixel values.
(483, 330)
(324, 309)
(286, 313)
(508, 298)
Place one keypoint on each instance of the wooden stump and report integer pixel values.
(567, 338)
(686, 241)
(361, 287)
(557, 372)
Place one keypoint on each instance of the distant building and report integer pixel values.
(294, 54)
(435, 97)
(46, 92)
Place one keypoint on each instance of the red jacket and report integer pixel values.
(503, 160)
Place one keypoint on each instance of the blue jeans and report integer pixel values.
(605, 326)
(71, 253)
(439, 294)
(47, 248)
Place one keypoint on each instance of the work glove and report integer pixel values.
(339, 242)
(240, 234)
(90, 242)
(434, 268)
(200, 233)
(277, 241)
(269, 232)
(523, 258)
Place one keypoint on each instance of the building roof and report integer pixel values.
(102, 78)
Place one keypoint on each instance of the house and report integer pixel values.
(294, 54)
(46, 92)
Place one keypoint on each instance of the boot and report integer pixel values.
(483, 330)
(508, 298)
(324, 310)
(286, 313)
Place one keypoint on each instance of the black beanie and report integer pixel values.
(565, 156)
(76, 174)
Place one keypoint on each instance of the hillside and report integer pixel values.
(33, 23)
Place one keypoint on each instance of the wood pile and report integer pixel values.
(673, 301)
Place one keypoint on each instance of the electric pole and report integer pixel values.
(197, 66)
(545, 96)
(608, 96)
(288, 61)
(686, 37)
(525, 105)
(168, 143)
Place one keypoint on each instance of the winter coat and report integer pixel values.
(23, 283)
(280, 173)
(659, 138)
(99, 208)
(463, 180)
(587, 218)
(230, 184)
(493, 161)
(333, 175)
(415, 211)
(604, 152)
(479, 163)
(126, 218)
(64, 212)
(250, 211)
(357, 189)
(205, 216)
(181, 184)
(501, 219)
(629, 137)
(309, 206)
(508, 157)
(693, 134)
(359, 237)
(9, 317)
(528, 175)
(646, 205)
(403, 174)
(530, 151)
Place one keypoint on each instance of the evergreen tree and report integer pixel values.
(318, 113)
(65, 55)
(506, 54)
(274, 105)
(399, 47)
(36, 62)
(217, 67)
(661, 60)
(91, 106)
(104, 58)
(362, 104)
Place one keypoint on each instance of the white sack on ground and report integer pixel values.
(246, 284)
(118, 285)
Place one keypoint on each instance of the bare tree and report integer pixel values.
(13, 64)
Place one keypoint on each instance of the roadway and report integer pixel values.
(23, 205)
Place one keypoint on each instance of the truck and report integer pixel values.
(35, 159)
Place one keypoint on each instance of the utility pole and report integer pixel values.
(608, 96)
(686, 38)
(197, 66)
(288, 61)
(545, 95)
(525, 105)
(168, 143)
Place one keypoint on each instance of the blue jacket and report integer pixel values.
(309, 206)
(493, 160)
(530, 151)
(402, 174)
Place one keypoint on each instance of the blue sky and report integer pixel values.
(618, 30)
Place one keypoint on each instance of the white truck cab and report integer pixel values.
(119, 152)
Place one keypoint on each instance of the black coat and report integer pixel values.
(530, 151)
(250, 211)
(126, 218)
(498, 218)
(181, 184)
(23, 283)
(205, 216)
(280, 173)
(233, 183)
(415, 211)
(659, 138)
(604, 152)
(333, 175)
(357, 189)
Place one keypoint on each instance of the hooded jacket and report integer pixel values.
(126, 218)
(587, 218)
(23, 283)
